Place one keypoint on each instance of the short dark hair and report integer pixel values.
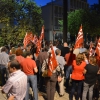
(12, 57)
(3, 49)
(28, 53)
(45, 48)
(54, 43)
(15, 63)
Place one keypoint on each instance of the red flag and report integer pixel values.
(52, 62)
(97, 51)
(40, 41)
(42, 33)
(28, 37)
(38, 48)
(90, 49)
(79, 40)
(35, 39)
(98, 48)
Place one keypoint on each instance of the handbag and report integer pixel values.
(44, 69)
(60, 72)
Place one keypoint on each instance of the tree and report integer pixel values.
(17, 17)
(90, 21)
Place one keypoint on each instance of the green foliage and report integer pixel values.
(61, 25)
(75, 19)
(17, 17)
(90, 21)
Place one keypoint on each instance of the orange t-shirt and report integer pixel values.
(77, 73)
(28, 66)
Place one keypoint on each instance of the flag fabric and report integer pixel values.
(98, 48)
(79, 40)
(35, 39)
(40, 41)
(27, 39)
(42, 33)
(38, 45)
(97, 51)
(52, 62)
(90, 49)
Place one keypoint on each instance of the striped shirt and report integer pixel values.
(16, 85)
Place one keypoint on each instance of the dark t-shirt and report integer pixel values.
(64, 51)
(60, 46)
(91, 74)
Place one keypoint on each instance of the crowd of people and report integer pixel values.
(76, 73)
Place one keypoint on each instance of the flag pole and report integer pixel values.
(43, 39)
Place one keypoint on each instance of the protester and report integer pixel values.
(69, 57)
(27, 49)
(19, 50)
(90, 72)
(16, 85)
(29, 68)
(12, 57)
(12, 51)
(54, 46)
(51, 78)
(65, 49)
(19, 56)
(59, 45)
(77, 76)
(61, 61)
(4, 59)
(82, 48)
(43, 55)
(86, 57)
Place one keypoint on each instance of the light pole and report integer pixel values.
(52, 19)
(65, 14)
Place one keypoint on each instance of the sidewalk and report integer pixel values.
(65, 97)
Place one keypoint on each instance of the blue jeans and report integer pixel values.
(68, 72)
(79, 84)
(32, 81)
(3, 72)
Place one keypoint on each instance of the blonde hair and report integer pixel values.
(79, 58)
(13, 50)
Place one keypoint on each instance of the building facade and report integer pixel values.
(52, 12)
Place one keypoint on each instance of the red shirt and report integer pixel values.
(77, 73)
(69, 57)
(28, 66)
(20, 58)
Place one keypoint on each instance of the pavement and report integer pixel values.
(42, 96)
